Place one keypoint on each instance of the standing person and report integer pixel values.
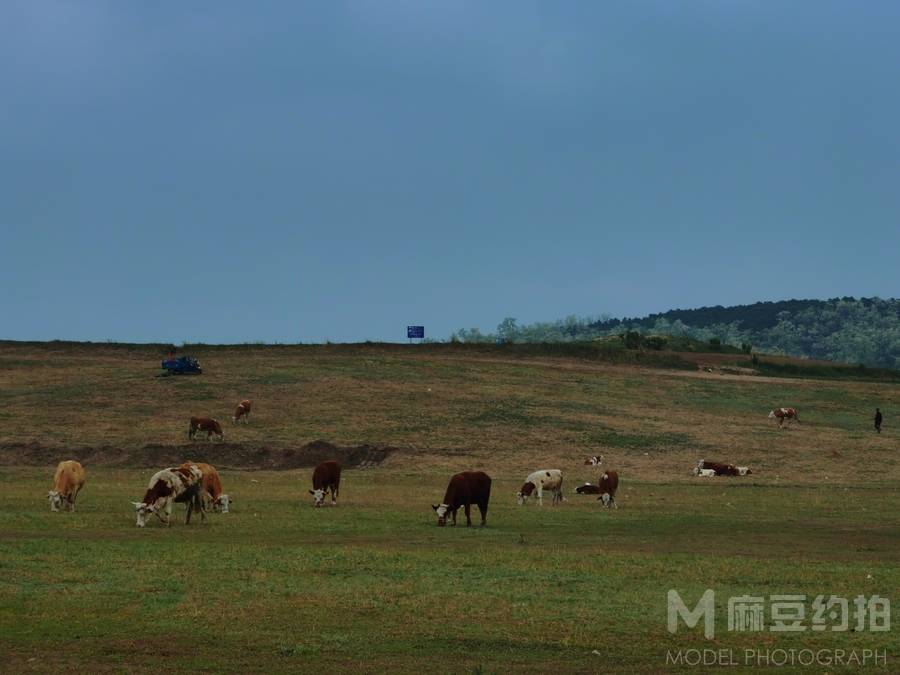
(878, 419)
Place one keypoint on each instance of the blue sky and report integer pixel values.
(301, 171)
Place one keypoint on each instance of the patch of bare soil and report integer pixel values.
(220, 455)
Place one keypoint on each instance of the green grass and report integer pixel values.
(276, 583)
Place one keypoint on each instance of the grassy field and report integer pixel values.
(373, 585)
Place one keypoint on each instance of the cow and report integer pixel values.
(547, 479)
(67, 483)
(211, 486)
(165, 485)
(242, 412)
(207, 424)
(720, 469)
(465, 489)
(595, 460)
(588, 489)
(608, 484)
(784, 414)
(326, 476)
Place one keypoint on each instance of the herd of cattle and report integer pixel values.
(198, 485)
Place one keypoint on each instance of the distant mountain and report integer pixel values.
(848, 330)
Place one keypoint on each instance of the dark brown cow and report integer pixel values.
(608, 484)
(720, 469)
(326, 476)
(784, 415)
(588, 489)
(465, 489)
(207, 424)
(242, 412)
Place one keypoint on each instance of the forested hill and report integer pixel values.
(848, 330)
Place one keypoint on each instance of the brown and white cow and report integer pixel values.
(608, 484)
(326, 476)
(211, 486)
(465, 489)
(537, 482)
(164, 487)
(720, 469)
(784, 415)
(242, 412)
(594, 460)
(207, 424)
(67, 482)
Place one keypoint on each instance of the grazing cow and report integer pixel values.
(164, 487)
(608, 484)
(242, 412)
(326, 476)
(465, 489)
(588, 489)
(595, 460)
(67, 482)
(211, 486)
(784, 415)
(547, 479)
(207, 424)
(720, 469)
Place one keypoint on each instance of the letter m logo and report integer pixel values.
(706, 608)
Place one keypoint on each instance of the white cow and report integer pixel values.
(546, 479)
(164, 487)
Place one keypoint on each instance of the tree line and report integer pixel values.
(847, 330)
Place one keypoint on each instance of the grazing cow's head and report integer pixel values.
(221, 504)
(318, 496)
(605, 497)
(524, 492)
(441, 511)
(143, 510)
(56, 500)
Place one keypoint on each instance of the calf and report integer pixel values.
(242, 412)
(164, 487)
(207, 424)
(784, 415)
(547, 479)
(326, 476)
(465, 489)
(608, 484)
(588, 489)
(595, 460)
(67, 483)
(211, 486)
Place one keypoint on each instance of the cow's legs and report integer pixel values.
(540, 495)
(483, 509)
(454, 517)
(468, 514)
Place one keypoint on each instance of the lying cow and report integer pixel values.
(211, 486)
(607, 486)
(67, 483)
(784, 415)
(465, 489)
(326, 476)
(588, 489)
(537, 482)
(207, 424)
(719, 469)
(165, 486)
(242, 412)
(595, 460)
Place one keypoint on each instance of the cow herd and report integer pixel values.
(198, 485)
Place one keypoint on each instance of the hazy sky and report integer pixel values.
(284, 171)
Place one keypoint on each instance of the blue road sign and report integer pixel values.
(415, 332)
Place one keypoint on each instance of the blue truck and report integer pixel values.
(183, 365)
